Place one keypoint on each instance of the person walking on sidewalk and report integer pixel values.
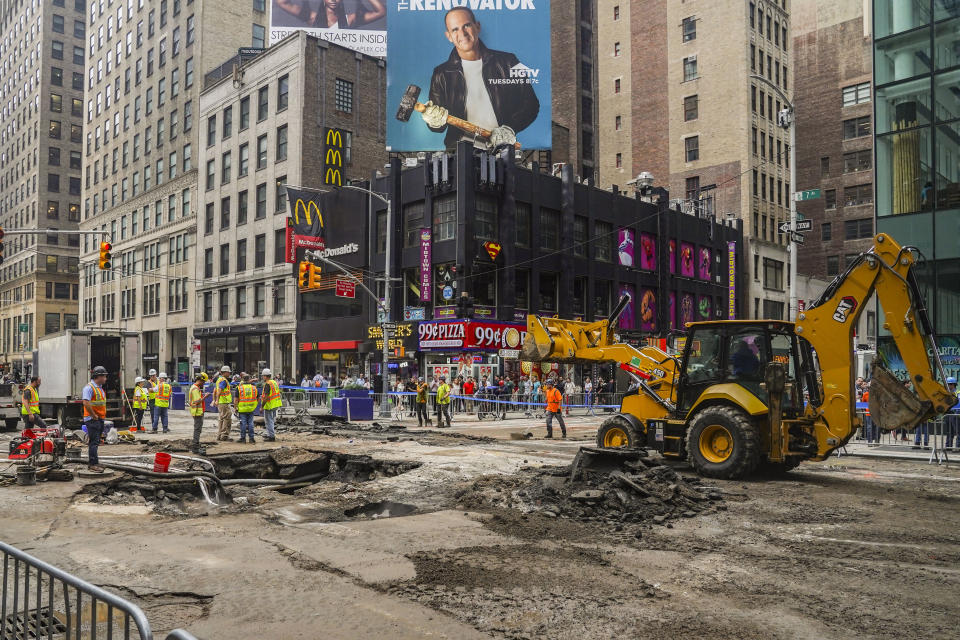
(554, 403)
(197, 400)
(246, 405)
(423, 390)
(94, 412)
(162, 413)
(223, 398)
(141, 400)
(443, 402)
(271, 404)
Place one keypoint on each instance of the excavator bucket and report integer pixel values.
(892, 405)
(534, 351)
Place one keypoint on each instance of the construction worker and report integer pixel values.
(423, 390)
(152, 394)
(141, 400)
(443, 402)
(246, 405)
(162, 404)
(197, 399)
(271, 402)
(94, 413)
(554, 400)
(223, 398)
(30, 405)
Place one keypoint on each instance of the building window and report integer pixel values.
(259, 300)
(856, 127)
(857, 195)
(412, 223)
(857, 161)
(444, 218)
(241, 255)
(619, 160)
(604, 238)
(692, 185)
(618, 123)
(241, 302)
(225, 166)
(283, 92)
(224, 311)
(833, 265)
(826, 231)
(208, 306)
(225, 213)
(381, 231)
(616, 49)
(548, 292)
(244, 167)
(824, 166)
(263, 103)
(211, 174)
(244, 113)
(689, 68)
(343, 96)
(772, 274)
(224, 259)
(830, 199)
(242, 208)
(580, 235)
(616, 12)
(690, 111)
(856, 94)
(208, 263)
(279, 246)
(280, 194)
(858, 229)
(262, 152)
(227, 122)
(691, 147)
(523, 224)
(521, 289)
(549, 229)
(260, 251)
(261, 200)
(485, 218)
(211, 130)
(616, 85)
(259, 36)
(689, 29)
(281, 143)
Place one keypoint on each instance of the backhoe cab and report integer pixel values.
(765, 393)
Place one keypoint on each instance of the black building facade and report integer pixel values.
(519, 241)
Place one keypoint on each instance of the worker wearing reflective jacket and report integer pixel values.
(554, 400)
(223, 398)
(94, 412)
(140, 403)
(271, 403)
(246, 405)
(30, 405)
(197, 398)
(162, 404)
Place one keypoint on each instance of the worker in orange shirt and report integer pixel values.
(554, 402)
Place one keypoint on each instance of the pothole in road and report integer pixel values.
(384, 509)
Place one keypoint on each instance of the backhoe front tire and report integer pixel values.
(723, 443)
(617, 432)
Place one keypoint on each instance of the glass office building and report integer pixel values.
(917, 142)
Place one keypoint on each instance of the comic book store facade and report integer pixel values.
(517, 240)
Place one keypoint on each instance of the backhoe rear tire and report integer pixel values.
(617, 432)
(723, 443)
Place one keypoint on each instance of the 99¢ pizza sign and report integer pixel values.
(470, 334)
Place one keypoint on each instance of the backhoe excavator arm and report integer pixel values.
(829, 327)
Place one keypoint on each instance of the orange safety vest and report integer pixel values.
(866, 398)
(99, 402)
(554, 398)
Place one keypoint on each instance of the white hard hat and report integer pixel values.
(152, 372)
(138, 380)
(225, 369)
(266, 372)
(163, 375)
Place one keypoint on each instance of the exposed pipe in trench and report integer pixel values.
(154, 474)
(272, 481)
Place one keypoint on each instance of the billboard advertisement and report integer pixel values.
(625, 247)
(648, 252)
(468, 70)
(703, 263)
(731, 280)
(686, 309)
(686, 260)
(470, 334)
(628, 317)
(648, 311)
(360, 25)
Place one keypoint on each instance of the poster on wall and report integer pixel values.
(686, 309)
(360, 25)
(731, 280)
(625, 247)
(704, 308)
(703, 263)
(648, 311)
(673, 310)
(648, 252)
(628, 317)
(475, 71)
(672, 256)
(686, 260)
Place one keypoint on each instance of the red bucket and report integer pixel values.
(161, 463)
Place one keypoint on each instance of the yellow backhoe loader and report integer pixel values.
(744, 394)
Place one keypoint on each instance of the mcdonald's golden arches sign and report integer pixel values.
(333, 157)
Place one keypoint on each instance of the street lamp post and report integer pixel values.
(385, 305)
(786, 119)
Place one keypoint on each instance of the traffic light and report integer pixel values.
(1, 245)
(309, 276)
(105, 256)
(465, 306)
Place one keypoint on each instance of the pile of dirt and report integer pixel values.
(641, 491)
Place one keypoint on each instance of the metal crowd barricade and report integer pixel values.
(42, 601)
(938, 436)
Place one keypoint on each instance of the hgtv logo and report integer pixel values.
(519, 74)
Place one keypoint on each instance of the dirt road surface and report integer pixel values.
(476, 547)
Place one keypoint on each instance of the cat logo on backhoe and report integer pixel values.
(847, 304)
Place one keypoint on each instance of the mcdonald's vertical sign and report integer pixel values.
(333, 157)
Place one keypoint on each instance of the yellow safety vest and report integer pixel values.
(271, 395)
(152, 390)
(139, 397)
(225, 394)
(246, 398)
(195, 396)
(443, 394)
(33, 404)
(163, 395)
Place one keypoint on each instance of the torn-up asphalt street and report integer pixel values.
(469, 533)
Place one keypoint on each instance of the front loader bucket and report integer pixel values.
(892, 405)
(532, 351)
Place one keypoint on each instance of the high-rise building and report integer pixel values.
(690, 92)
(916, 105)
(41, 123)
(146, 60)
(265, 127)
(832, 70)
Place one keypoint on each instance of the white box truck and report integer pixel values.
(64, 362)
